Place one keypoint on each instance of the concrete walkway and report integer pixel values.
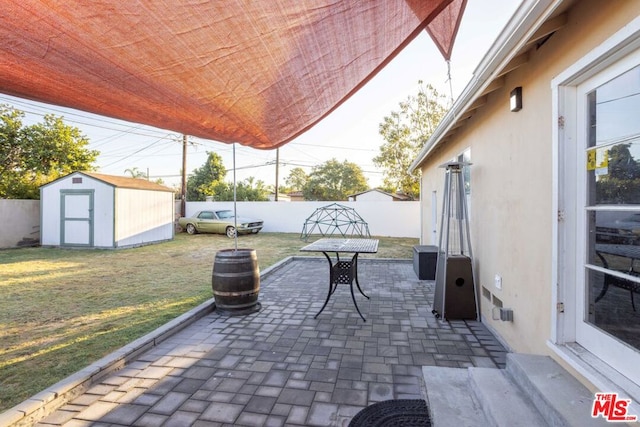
(280, 366)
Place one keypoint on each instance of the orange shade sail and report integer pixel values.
(255, 72)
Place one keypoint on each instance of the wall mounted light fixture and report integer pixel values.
(515, 101)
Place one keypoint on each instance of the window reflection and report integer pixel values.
(616, 172)
(615, 248)
(614, 109)
(616, 227)
(613, 212)
(614, 140)
(614, 311)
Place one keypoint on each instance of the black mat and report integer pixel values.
(392, 413)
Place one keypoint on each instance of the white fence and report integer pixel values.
(392, 219)
(20, 223)
(21, 218)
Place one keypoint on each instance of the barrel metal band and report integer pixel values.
(235, 294)
(239, 274)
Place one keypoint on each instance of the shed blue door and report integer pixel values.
(76, 216)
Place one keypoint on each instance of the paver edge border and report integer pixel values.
(38, 406)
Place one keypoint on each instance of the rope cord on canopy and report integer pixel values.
(450, 80)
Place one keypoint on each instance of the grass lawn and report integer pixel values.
(62, 309)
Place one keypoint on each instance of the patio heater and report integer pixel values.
(455, 293)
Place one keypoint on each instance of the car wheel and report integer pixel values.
(231, 232)
(191, 229)
(255, 231)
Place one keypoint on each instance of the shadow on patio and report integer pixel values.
(281, 366)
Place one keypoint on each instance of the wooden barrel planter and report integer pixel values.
(236, 281)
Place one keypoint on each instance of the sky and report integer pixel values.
(349, 133)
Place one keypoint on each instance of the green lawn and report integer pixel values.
(62, 309)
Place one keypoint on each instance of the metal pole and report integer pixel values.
(468, 229)
(183, 189)
(235, 211)
(277, 170)
(460, 214)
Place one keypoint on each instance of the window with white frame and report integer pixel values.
(612, 211)
(598, 204)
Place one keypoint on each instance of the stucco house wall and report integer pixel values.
(513, 185)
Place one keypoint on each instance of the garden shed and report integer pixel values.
(86, 209)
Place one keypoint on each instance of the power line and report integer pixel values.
(334, 147)
(132, 154)
(106, 121)
(124, 129)
(126, 150)
(629, 95)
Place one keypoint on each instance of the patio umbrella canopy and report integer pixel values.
(255, 72)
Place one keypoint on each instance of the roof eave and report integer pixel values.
(529, 16)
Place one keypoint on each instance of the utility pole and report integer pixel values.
(183, 190)
(277, 170)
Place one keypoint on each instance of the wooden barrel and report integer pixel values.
(236, 279)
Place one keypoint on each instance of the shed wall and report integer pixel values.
(143, 216)
(103, 214)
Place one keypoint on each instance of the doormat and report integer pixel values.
(391, 413)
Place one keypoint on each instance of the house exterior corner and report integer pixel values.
(534, 184)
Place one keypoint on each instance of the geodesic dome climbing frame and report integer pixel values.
(335, 219)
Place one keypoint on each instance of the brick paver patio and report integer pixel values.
(280, 366)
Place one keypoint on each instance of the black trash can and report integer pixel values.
(425, 259)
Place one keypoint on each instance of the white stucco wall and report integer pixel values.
(21, 219)
(512, 178)
(395, 219)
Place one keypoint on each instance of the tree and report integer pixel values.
(334, 181)
(204, 180)
(247, 190)
(405, 132)
(208, 180)
(621, 184)
(136, 173)
(31, 156)
(297, 179)
(252, 190)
